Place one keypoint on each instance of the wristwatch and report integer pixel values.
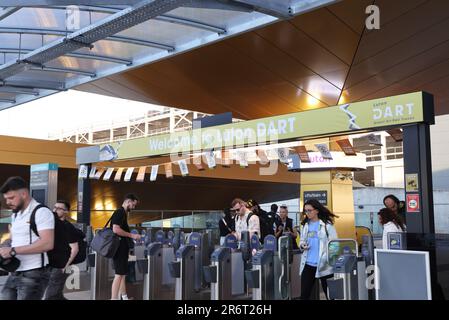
(12, 253)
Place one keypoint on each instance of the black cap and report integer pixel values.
(10, 264)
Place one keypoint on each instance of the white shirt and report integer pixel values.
(253, 225)
(20, 234)
(389, 227)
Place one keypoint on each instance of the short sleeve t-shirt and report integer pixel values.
(71, 233)
(314, 243)
(120, 218)
(20, 234)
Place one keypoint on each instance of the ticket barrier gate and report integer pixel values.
(283, 259)
(226, 272)
(158, 283)
(102, 275)
(261, 277)
(280, 271)
(188, 268)
(342, 256)
(365, 269)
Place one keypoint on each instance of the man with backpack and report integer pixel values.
(245, 219)
(28, 281)
(74, 238)
(265, 223)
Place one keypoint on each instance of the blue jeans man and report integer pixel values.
(26, 285)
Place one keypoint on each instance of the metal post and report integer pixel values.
(83, 200)
(417, 162)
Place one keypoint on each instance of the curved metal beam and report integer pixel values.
(74, 55)
(58, 32)
(190, 23)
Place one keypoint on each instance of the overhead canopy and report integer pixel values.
(53, 47)
(322, 58)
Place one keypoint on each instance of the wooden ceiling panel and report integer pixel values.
(434, 73)
(394, 89)
(298, 45)
(441, 106)
(351, 12)
(392, 10)
(403, 27)
(426, 40)
(331, 33)
(285, 67)
(400, 72)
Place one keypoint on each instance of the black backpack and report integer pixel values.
(82, 245)
(264, 224)
(60, 254)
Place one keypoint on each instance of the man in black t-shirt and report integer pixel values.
(119, 223)
(58, 276)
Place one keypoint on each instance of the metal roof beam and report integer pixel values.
(87, 8)
(18, 91)
(33, 84)
(8, 100)
(111, 25)
(284, 9)
(279, 9)
(7, 12)
(56, 32)
(33, 3)
(65, 70)
(74, 55)
(190, 23)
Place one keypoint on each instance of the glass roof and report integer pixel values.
(47, 48)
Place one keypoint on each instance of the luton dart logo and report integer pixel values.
(351, 121)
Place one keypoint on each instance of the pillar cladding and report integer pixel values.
(333, 188)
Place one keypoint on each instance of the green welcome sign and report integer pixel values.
(348, 118)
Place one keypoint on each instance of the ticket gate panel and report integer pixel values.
(184, 272)
(198, 271)
(344, 285)
(101, 281)
(154, 289)
(295, 278)
(221, 274)
(168, 255)
(102, 276)
(261, 277)
(238, 274)
(361, 280)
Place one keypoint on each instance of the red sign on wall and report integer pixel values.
(412, 202)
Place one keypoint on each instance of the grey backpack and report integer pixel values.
(105, 242)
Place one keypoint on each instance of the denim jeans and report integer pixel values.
(56, 284)
(26, 285)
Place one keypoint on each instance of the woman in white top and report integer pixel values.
(391, 222)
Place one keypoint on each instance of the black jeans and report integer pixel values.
(56, 284)
(308, 281)
(26, 285)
